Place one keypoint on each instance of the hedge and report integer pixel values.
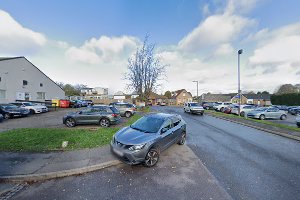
(292, 99)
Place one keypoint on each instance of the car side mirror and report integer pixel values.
(163, 130)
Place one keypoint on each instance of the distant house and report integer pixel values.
(156, 99)
(257, 99)
(94, 93)
(180, 97)
(215, 97)
(22, 80)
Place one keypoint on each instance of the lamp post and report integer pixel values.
(197, 88)
(239, 81)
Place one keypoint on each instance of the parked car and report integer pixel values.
(193, 108)
(267, 113)
(281, 107)
(292, 107)
(219, 106)
(163, 104)
(228, 109)
(89, 102)
(102, 115)
(1, 118)
(83, 103)
(126, 109)
(295, 111)
(244, 109)
(208, 105)
(298, 121)
(10, 111)
(32, 107)
(144, 140)
(75, 104)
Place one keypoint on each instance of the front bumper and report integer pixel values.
(253, 116)
(197, 111)
(127, 156)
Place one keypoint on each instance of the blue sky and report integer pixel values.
(197, 38)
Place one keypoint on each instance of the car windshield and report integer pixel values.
(29, 104)
(10, 106)
(261, 109)
(148, 124)
(194, 104)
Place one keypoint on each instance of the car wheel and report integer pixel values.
(152, 157)
(70, 122)
(104, 122)
(184, 110)
(6, 116)
(201, 114)
(32, 112)
(262, 117)
(221, 109)
(283, 117)
(182, 139)
(242, 114)
(128, 114)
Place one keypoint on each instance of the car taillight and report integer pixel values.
(114, 115)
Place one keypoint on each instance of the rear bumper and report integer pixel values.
(197, 111)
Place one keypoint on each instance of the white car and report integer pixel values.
(193, 108)
(244, 109)
(33, 108)
(298, 121)
(220, 106)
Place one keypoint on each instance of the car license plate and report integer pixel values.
(119, 153)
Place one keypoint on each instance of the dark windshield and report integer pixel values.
(148, 124)
(194, 104)
(10, 106)
(28, 104)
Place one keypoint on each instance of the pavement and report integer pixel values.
(179, 174)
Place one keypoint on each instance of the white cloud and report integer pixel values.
(16, 39)
(224, 49)
(104, 49)
(214, 30)
(240, 6)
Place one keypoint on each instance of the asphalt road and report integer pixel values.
(248, 163)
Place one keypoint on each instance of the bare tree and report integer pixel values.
(144, 70)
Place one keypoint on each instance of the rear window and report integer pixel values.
(114, 110)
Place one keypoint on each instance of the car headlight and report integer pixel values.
(136, 147)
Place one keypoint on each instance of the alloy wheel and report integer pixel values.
(6, 116)
(128, 114)
(183, 139)
(262, 117)
(70, 122)
(152, 158)
(104, 123)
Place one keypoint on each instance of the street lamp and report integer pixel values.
(239, 81)
(197, 87)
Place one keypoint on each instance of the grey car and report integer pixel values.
(144, 140)
(102, 115)
(267, 113)
(126, 109)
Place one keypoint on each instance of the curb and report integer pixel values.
(259, 128)
(58, 174)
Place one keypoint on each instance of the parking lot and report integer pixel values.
(52, 119)
(290, 120)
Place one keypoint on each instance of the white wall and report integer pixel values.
(14, 71)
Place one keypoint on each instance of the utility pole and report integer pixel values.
(239, 81)
(197, 89)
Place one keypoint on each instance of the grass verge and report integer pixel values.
(47, 139)
(254, 120)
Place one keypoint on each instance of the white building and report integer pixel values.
(21, 80)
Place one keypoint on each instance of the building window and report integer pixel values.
(25, 82)
(41, 84)
(41, 95)
(2, 94)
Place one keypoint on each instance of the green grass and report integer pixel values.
(255, 120)
(47, 139)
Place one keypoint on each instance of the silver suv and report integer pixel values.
(125, 109)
